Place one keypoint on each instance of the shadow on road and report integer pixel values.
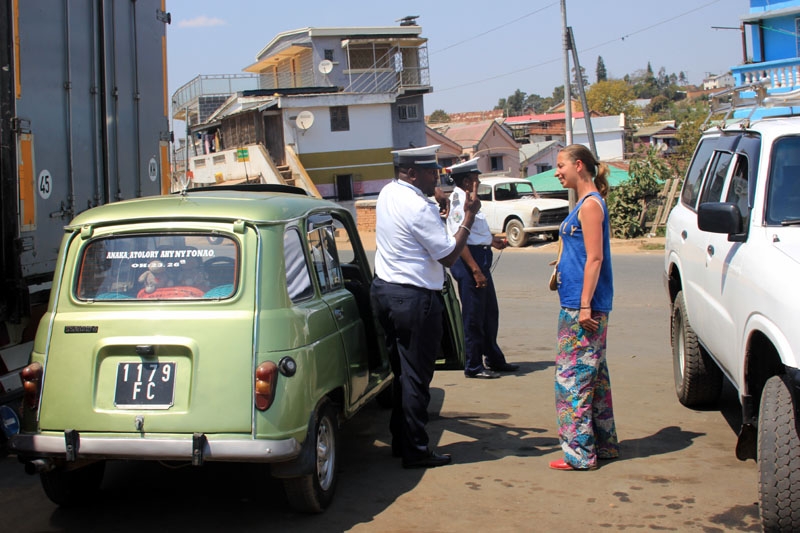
(667, 440)
(243, 497)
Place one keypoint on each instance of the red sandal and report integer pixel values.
(561, 464)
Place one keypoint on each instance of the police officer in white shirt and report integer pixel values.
(473, 272)
(413, 247)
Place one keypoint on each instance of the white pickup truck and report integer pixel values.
(731, 272)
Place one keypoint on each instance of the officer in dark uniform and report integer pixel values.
(473, 272)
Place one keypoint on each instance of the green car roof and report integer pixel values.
(255, 205)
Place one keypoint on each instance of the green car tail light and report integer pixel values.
(264, 387)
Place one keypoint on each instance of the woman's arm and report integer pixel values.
(591, 216)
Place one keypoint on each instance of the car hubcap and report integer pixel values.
(325, 454)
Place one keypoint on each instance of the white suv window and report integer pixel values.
(694, 176)
(712, 192)
(738, 190)
(783, 197)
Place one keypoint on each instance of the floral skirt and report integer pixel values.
(583, 392)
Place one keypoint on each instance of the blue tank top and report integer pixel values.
(573, 259)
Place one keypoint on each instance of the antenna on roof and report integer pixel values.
(410, 20)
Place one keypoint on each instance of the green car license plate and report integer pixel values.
(144, 385)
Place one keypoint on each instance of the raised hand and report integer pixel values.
(472, 204)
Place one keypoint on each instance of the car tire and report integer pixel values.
(312, 493)
(778, 458)
(698, 379)
(514, 234)
(73, 488)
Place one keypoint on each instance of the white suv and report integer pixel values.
(511, 205)
(732, 264)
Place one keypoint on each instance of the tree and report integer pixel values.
(611, 98)
(658, 104)
(558, 94)
(690, 128)
(514, 105)
(537, 104)
(600, 70)
(439, 116)
(628, 203)
(575, 83)
(662, 81)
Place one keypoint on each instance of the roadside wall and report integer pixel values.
(365, 215)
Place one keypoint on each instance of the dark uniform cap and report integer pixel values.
(424, 157)
(467, 167)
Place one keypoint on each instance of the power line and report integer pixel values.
(622, 38)
(493, 29)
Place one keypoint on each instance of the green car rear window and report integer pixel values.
(158, 267)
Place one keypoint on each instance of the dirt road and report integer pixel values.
(677, 470)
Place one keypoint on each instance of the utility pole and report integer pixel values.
(567, 89)
(567, 93)
(587, 117)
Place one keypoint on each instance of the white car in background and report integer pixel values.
(511, 205)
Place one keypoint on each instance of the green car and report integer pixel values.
(221, 324)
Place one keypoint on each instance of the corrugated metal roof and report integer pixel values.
(547, 182)
(528, 151)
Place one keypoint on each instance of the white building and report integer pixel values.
(719, 82)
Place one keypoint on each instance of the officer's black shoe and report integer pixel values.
(505, 367)
(484, 374)
(431, 460)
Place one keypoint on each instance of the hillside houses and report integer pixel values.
(489, 140)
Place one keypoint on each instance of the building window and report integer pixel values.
(329, 54)
(371, 56)
(497, 163)
(407, 112)
(340, 119)
(797, 35)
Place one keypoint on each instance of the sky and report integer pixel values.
(478, 52)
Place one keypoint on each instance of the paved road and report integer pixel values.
(677, 471)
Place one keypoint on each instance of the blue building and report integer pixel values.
(773, 63)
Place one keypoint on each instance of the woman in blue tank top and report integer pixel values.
(585, 288)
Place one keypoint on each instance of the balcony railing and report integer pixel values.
(762, 89)
(400, 69)
(209, 85)
(777, 76)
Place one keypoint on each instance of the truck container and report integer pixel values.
(83, 122)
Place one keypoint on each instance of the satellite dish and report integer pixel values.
(304, 120)
(325, 66)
